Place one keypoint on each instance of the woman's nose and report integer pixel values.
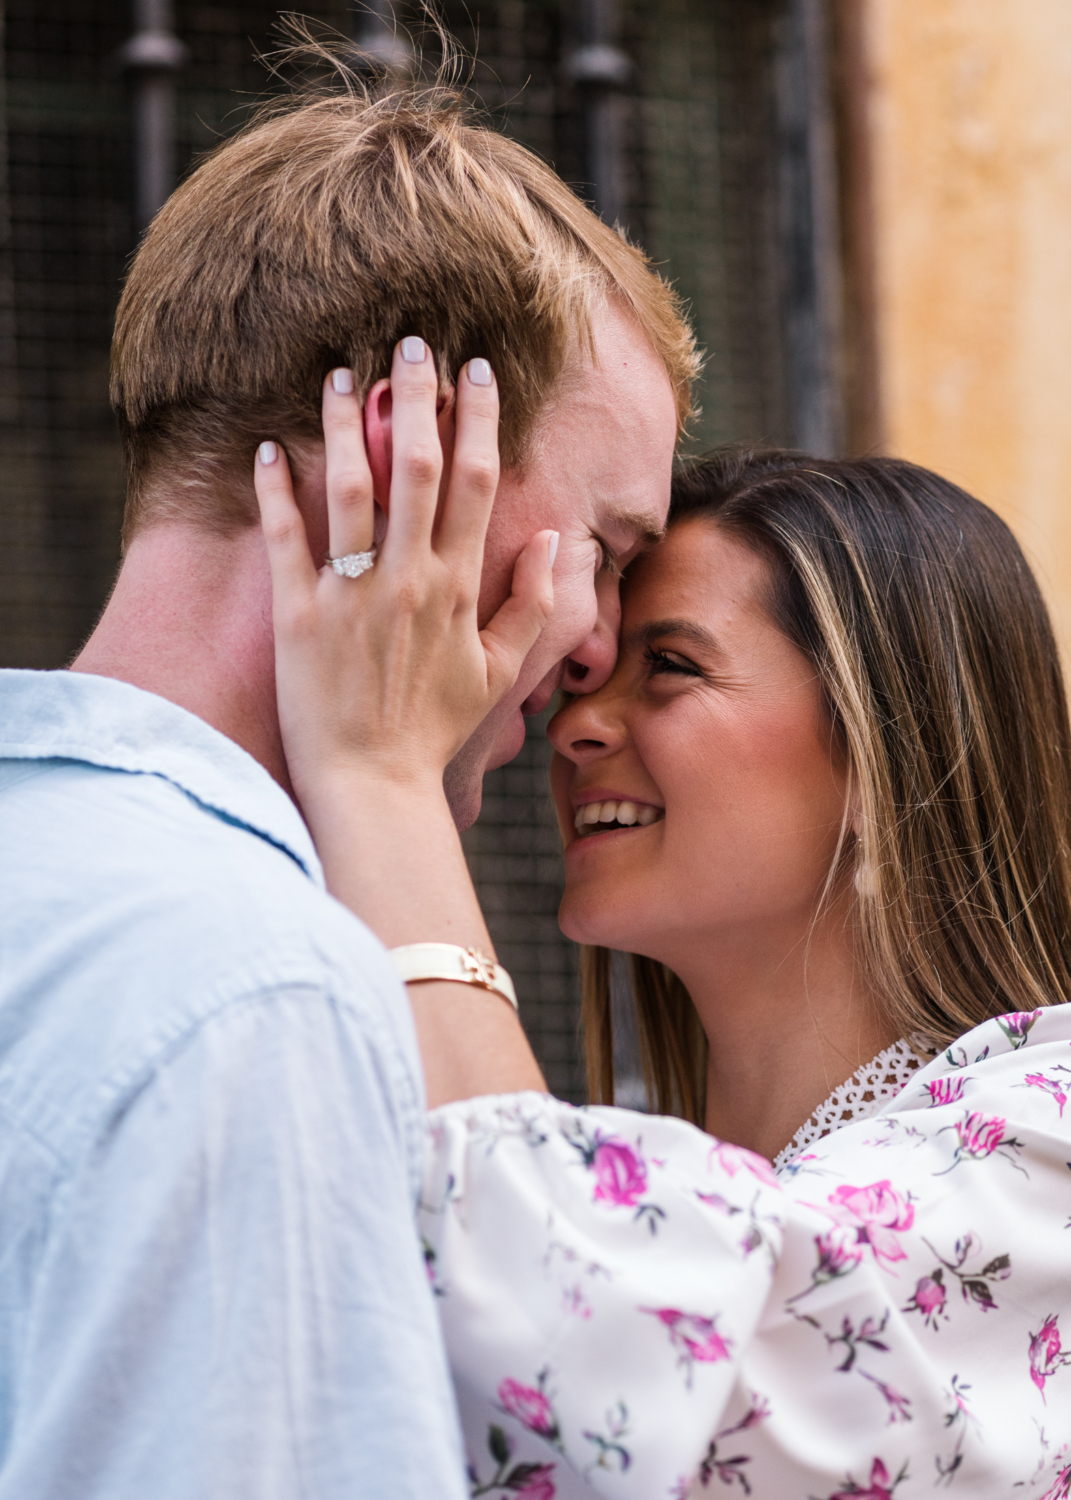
(587, 727)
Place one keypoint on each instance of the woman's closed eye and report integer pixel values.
(661, 663)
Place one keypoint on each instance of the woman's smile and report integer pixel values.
(701, 785)
(601, 814)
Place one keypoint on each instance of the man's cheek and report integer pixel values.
(496, 585)
(507, 743)
(608, 597)
(576, 610)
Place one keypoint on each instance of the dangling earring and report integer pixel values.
(864, 878)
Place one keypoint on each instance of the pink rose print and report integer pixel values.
(1047, 1354)
(980, 1135)
(975, 1282)
(694, 1336)
(1016, 1026)
(733, 1159)
(715, 1200)
(839, 1251)
(620, 1175)
(929, 1298)
(878, 1213)
(945, 1091)
(523, 1481)
(881, 1487)
(1054, 1086)
(1061, 1490)
(758, 1410)
(538, 1486)
(728, 1470)
(899, 1406)
(872, 1215)
(529, 1405)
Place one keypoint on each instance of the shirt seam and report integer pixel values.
(125, 1091)
(214, 809)
(116, 1089)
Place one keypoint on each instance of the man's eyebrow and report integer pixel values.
(687, 630)
(645, 525)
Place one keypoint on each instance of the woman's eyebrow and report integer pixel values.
(687, 629)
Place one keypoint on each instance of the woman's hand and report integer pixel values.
(381, 678)
(384, 677)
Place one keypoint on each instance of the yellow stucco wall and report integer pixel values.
(969, 105)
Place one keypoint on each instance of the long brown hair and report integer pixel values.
(938, 662)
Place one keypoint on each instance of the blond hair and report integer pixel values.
(942, 678)
(331, 227)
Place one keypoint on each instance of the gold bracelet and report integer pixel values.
(417, 962)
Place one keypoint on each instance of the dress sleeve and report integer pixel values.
(637, 1311)
(599, 1274)
(233, 1301)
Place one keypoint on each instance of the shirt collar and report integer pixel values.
(107, 723)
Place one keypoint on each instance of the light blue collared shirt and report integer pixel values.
(211, 1127)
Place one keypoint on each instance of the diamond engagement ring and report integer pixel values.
(353, 564)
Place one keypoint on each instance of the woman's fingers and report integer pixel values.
(293, 573)
(350, 509)
(474, 468)
(513, 631)
(417, 461)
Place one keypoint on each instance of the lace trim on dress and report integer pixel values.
(860, 1095)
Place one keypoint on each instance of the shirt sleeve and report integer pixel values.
(635, 1309)
(233, 1302)
(599, 1272)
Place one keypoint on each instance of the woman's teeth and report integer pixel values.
(594, 817)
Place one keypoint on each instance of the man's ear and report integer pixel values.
(379, 444)
(377, 437)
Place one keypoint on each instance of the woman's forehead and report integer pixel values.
(698, 570)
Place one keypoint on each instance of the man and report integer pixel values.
(210, 1100)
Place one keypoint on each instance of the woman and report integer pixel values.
(824, 799)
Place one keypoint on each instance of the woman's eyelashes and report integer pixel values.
(662, 663)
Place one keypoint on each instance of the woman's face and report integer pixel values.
(713, 735)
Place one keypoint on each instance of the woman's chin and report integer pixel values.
(592, 924)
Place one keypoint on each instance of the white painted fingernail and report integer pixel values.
(414, 350)
(268, 453)
(480, 372)
(342, 382)
(552, 547)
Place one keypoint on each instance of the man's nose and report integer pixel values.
(590, 666)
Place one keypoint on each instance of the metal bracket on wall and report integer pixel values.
(602, 72)
(153, 55)
(381, 43)
(811, 290)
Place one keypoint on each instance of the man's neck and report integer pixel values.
(190, 619)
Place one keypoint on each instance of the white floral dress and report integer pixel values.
(635, 1309)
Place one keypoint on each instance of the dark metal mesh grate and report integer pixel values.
(699, 190)
(64, 233)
